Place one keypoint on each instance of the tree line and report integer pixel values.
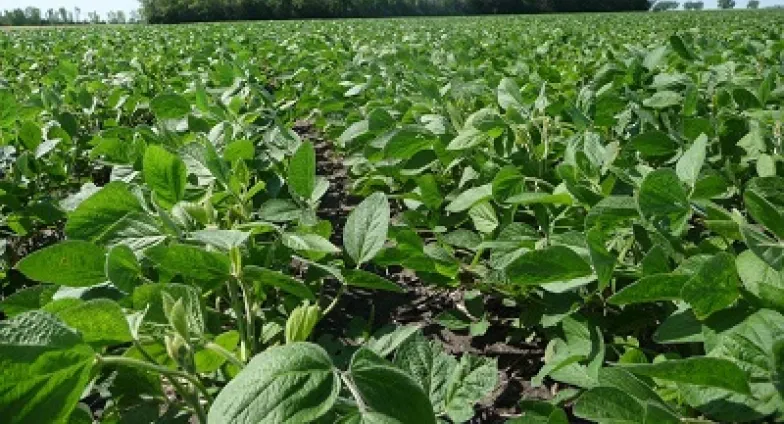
(62, 16)
(174, 11)
(662, 6)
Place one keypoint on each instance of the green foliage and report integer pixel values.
(366, 228)
(608, 186)
(261, 392)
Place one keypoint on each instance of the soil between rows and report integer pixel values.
(419, 305)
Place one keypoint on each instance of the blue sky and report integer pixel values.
(100, 6)
(103, 6)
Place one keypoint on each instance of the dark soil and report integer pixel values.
(419, 305)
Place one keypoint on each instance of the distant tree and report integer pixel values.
(662, 6)
(693, 5)
(116, 17)
(63, 14)
(134, 17)
(15, 17)
(173, 11)
(753, 4)
(94, 17)
(32, 16)
(726, 4)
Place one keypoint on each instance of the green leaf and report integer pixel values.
(651, 288)
(191, 261)
(170, 106)
(123, 269)
(602, 260)
(280, 210)
(620, 378)
(509, 94)
(208, 361)
(404, 143)
(663, 201)
(473, 379)
(367, 417)
(770, 251)
(97, 217)
(151, 297)
(384, 343)
(766, 166)
(366, 228)
(301, 322)
(654, 144)
(469, 138)
(608, 405)
(680, 47)
(46, 367)
(764, 198)
(680, 327)
(484, 217)
(655, 57)
(222, 239)
(368, 280)
(308, 243)
(70, 263)
(430, 366)
(612, 212)
(663, 100)
(30, 135)
(715, 287)
(550, 265)
(239, 150)
(750, 345)
(760, 279)
(295, 383)
(541, 412)
(302, 170)
(470, 197)
(540, 198)
(386, 389)
(282, 281)
(700, 371)
(689, 165)
(26, 299)
(166, 175)
(745, 99)
(101, 322)
(8, 108)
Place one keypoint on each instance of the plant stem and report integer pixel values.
(146, 366)
(354, 391)
(238, 312)
(334, 302)
(251, 324)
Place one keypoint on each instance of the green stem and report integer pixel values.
(177, 386)
(334, 302)
(238, 312)
(354, 391)
(251, 324)
(146, 366)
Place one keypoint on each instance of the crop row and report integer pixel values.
(605, 185)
